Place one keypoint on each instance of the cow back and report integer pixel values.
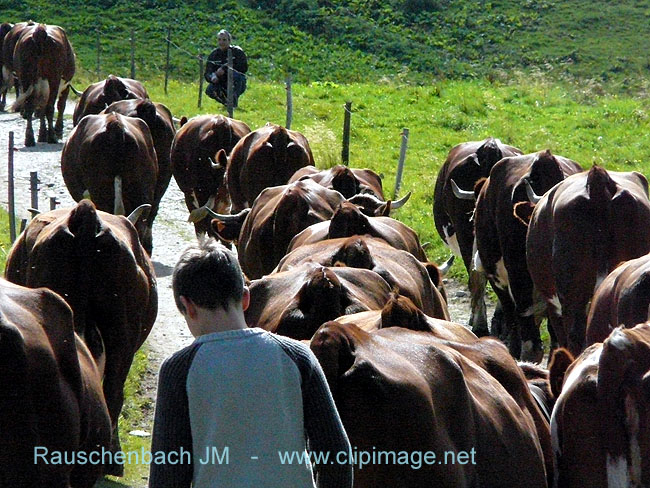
(100, 95)
(398, 268)
(264, 158)
(622, 298)
(400, 390)
(580, 231)
(277, 216)
(347, 181)
(296, 302)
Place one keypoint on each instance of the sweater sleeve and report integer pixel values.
(171, 430)
(323, 425)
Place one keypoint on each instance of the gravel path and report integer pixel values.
(171, 233)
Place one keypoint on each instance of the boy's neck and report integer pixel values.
(219, 320)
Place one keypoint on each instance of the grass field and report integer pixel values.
(576, 121)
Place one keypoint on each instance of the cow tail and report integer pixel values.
(19, 435)
(601, 189)
(84, 223)
(19, 103)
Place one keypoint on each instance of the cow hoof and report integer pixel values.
(29, 141)
(52, 140)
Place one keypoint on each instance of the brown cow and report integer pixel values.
(580, 231)
(95, 261)
(5, 27)
(264, 232)
(623, 298)
(198, 158)
(44, 63)
(266, 157)
(466, 164)
(7, 56)
(297, 302)
(347, 181)
(407, 393)
(111, 159)
(399, 268)
(348, 220)
(600, 423)
(100, 95)
(501, 241)
(51, 398)
(160, 123)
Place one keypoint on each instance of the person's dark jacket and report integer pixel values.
(219, 58)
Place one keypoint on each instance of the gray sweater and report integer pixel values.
(232, 403)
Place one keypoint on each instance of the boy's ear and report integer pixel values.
(245, 299)
(190, 308)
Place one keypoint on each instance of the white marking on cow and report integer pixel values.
(7, 76)
(569, 381)
(86, 195)
(451, 240)
(617, 475)
(501, 277)
(555, 303)
(20, 101)
(41, 94)
(477, 265)
(118, 204)
(632, 424)
(195, 200)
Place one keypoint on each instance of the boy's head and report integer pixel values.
(209, 275)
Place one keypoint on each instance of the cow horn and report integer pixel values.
(444, 269)
(224, 218)
(400, 203)
(462, 194)
(532, 196)
(200, 213)
(268, 144)
(137, 213)
(213, 164)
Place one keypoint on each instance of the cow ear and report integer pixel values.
(222, 159)
(560, 362)
(523, 211)
(183, 121)
(478, 186)
(400, 311)
(333, 346)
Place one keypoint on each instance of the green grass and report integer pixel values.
(136, 406)
(5, 242)
(414, 41)
(575, 121)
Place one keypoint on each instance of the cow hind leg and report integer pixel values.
(29, 130)
(60, 107)
(42, 130)
(478, 318)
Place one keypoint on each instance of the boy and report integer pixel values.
(237, 397)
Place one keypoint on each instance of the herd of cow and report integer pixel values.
(329, 265)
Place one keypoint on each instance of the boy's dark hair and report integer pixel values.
(209, 274)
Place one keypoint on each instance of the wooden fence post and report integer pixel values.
(402, 159)
(132, 54)
(33, 188)
(289, 103)
(98, 48)
(12, 203)
(229, 93)
(200, 78)
(169, 39)
(345, 153)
